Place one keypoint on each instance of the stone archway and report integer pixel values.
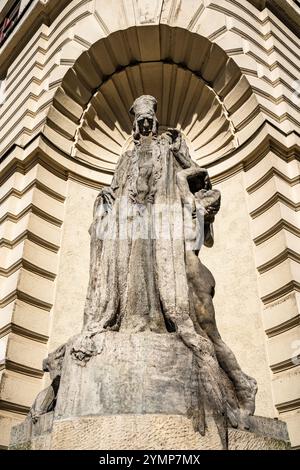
(198, 87)
(217, 111)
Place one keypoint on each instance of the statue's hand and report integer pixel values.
(175, 138)
(211, 201)
(107, 195)
(104, 203)
(207, 182)
(106, 191)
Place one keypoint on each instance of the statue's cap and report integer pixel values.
(144, 106)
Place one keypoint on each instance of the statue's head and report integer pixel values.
(145, 120)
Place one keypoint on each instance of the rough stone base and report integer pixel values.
(136, 393)
(142, 432)
(140, 373)
(132, 432)
(32, 436)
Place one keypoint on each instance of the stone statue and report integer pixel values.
(149, 368)
(146, 274)
(46, 399)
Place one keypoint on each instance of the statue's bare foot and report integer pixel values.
(198, 421)
(232, 416)
(246, 395)
(238, 418)
(244, 420)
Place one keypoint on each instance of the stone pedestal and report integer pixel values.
(142, 373)
(136, 393)
(143, 432)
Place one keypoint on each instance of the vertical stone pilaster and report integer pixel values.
(273, 198)
(32, 208)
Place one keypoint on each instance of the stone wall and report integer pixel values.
(66, 60)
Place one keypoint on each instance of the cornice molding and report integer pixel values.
(278, 293)
(14, 407)
(35, 183)
(276, 197)
(278, 259)
(276, 228)
(21, 331)
(284, 326)
(288, 406)
(284, 365)
(234, 170)
(85, 182)
(275, 145)
(31, 208)
(40, 150)
(268, 176)
(28, 235)
(21, 369)
(18, 294)
(25, 264)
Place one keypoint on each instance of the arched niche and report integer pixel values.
(199, 90)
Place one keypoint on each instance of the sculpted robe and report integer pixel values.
(145, 274)
(141, 236)
(138, 276)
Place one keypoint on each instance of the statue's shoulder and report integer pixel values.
(122, 167)
(124, 158)
(125, 155)
(164, 139)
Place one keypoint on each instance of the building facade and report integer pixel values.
(224, 72)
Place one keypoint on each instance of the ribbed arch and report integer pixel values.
(199, 90)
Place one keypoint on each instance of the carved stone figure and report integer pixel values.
(146, 274)
(46, 399)
(149, 363)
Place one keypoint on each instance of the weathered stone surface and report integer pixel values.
(145, 272)
(32, 435)
(149, 431)
(243, 440)
(146, 283)
(272, 428)
(134, 373)
(21, 435)
(135, 394)
(133, 432)
(240, 322)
